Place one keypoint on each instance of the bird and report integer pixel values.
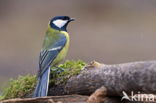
(54, 49)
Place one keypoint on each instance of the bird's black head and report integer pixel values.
(60, 22)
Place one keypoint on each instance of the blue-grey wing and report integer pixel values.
(47, 56)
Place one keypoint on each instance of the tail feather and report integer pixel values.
(43, 83)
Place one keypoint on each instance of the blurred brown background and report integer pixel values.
(109, 31)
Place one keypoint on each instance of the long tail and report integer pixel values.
(43, 83)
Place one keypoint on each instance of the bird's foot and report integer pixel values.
(57, 70)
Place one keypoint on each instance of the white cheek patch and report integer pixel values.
(60, 23)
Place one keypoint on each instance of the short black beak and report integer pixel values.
(72, 19)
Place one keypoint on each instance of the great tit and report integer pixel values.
(54, 49)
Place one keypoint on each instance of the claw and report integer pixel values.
(57, 70)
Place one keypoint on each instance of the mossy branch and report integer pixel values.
(23, 86)
(137, 76)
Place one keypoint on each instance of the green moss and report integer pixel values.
(1, 97)
(19, 87)
(24, 85)
(70, 68)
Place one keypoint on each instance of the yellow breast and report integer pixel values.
(64, 51)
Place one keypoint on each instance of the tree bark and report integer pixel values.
(139, 77)
(136, 77)
(97, 97)
(49, 99)
(105, 84)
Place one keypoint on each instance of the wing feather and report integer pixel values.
(47, 56)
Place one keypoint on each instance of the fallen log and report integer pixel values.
(50, 99)
(139, 77)
(106, 83)
(136, 77)
(97, 97)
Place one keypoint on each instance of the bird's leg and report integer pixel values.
(57, 70)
